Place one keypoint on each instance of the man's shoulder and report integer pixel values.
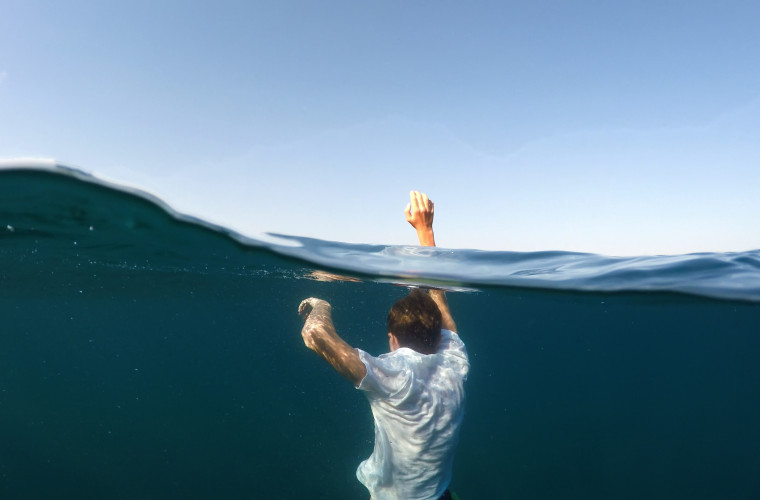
(450, 340)
(389, 361)
(452, 348)
(450, 333)
(386, 373)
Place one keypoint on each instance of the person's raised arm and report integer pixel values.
(419, 213)
(319, 335)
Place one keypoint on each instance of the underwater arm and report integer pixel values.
(419, 213)
(447, 322)
(319, 335)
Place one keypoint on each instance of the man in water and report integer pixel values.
(416, 391)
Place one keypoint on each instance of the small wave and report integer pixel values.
(84, 202)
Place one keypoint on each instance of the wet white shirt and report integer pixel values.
(418, 404)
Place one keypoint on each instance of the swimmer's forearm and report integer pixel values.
(447, 321)
(320, 336)
(341, 356)
(426, 237)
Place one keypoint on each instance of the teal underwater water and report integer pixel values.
(144, 354)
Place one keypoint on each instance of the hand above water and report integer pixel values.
(419, 213)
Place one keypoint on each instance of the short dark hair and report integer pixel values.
(415, 320)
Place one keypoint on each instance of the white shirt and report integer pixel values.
(418, 404)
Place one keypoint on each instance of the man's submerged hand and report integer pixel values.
(317, 317)
(311, 304)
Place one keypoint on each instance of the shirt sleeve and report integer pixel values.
(452, 345)
(386, 375)
(454, 353)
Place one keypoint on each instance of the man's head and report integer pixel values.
(415, 322)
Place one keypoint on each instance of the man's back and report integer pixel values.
(417, 402)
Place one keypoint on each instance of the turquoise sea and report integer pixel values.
(146, 355)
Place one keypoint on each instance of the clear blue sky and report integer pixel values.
(611, 127)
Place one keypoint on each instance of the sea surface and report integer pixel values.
(146, 355)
